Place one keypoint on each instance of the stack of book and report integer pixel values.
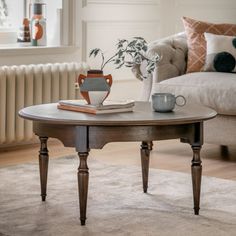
(106, 108)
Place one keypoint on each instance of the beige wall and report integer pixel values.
(105, 21)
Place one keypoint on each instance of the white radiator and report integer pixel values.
(26, 85)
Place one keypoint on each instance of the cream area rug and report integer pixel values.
(116, 203)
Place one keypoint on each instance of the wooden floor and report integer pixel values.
(168, 155)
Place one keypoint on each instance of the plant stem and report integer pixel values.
(102, 60)
(103, 65)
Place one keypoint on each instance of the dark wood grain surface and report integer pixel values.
(142, 115)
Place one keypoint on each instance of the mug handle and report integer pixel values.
(181, 104)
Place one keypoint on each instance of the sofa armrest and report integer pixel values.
(173, 52)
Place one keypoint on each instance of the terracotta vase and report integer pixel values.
(95, 87)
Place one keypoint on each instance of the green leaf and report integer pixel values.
(91, 52)
(123, 41)
(119, 66)
(150, 67)
(132, 43)
(130, 51)
(117, 61)
(138, 59)
(129, 64)
(144, 48)
(157, 58)
(142, 40)
(139, 38)
(94, 52)
(120, 53)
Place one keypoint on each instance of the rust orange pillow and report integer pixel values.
(194, 30)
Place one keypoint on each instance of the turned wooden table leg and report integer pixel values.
(145, 153)
(83, 178)
(196, 177)
(43, 166)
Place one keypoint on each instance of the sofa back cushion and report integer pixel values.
(196, 41)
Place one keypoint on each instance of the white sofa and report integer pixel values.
(212, 89)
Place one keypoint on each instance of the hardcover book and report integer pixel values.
(106, 108)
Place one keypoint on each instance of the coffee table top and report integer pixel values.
(142, 115)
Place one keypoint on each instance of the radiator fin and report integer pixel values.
(3, 94)
(27, 85)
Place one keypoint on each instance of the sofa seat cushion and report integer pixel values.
(212, 89)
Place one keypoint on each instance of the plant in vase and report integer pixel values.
(129, 53)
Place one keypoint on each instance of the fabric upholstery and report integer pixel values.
(212, 89)
(173, 51)
(220, 130)
(221, 53)
(196, 42)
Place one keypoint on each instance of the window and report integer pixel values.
(12, 13)
(3, 14)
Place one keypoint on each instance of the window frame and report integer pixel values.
(69, 34)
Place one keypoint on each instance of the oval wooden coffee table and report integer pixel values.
(85, 132)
